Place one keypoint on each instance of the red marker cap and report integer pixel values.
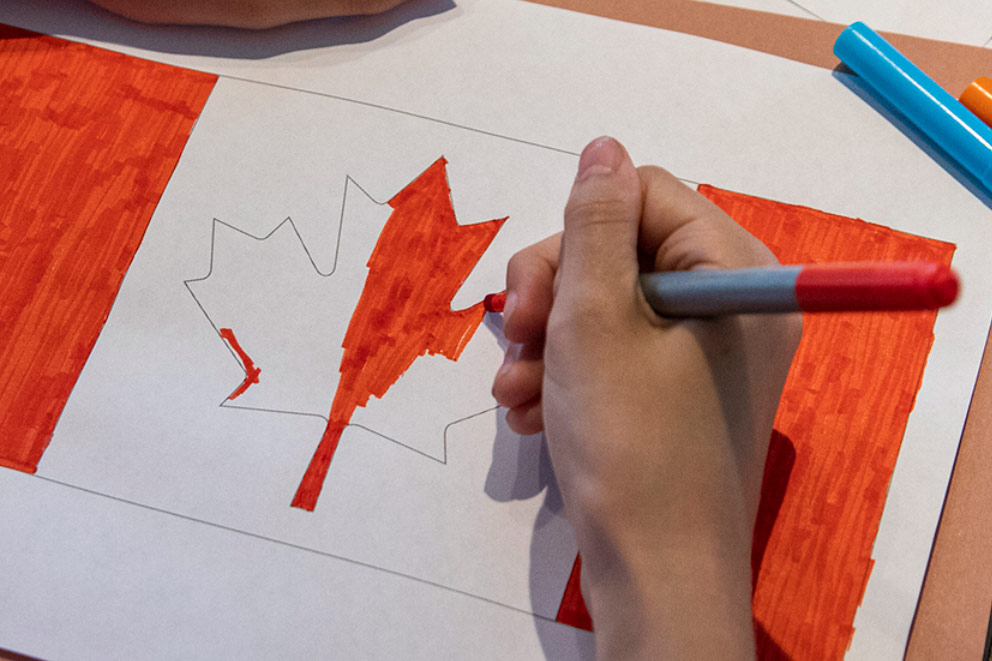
(494, 302)
(891, 286)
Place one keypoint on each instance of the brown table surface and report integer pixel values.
(953, 612)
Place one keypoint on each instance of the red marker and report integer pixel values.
(494, 302)
(838, 287)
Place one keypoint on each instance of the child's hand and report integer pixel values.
(657, 428)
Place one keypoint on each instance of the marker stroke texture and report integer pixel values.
(845, 407)
(88, 141)
(837, 435)
(420, 260)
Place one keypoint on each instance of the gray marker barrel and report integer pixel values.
(710, 293)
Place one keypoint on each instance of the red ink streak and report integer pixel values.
(572, 610)
(88, 141)
(251, 372)
(837, 434)
(421, 259)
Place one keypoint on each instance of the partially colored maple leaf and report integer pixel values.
(287, 314)
(421, 259)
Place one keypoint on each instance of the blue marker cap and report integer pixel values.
(940, 116)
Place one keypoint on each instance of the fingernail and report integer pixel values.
(511, 302)
(601, 156)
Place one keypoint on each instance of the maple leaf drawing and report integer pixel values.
(308, 342)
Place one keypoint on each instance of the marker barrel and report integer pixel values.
(834, 287)
(711, 293)
(923, 102)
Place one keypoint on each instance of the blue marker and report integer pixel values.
(937, 114)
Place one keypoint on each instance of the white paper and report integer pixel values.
(89, 577)
(959, 21)
(478, 84)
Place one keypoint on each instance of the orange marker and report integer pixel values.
(977, 98)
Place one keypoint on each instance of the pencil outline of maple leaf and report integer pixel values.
(492, 321)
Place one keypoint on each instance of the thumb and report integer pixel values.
(599, 245)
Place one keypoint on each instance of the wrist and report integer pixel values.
(669, 591)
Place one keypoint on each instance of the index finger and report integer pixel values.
(530, 277)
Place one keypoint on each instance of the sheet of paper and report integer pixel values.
(411, 456)
(304, 117)
(960, 21)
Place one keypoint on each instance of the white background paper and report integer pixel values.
(709, 112)
(959, 21)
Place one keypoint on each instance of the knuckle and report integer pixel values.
(519, 263)
(594, 212)
(525, 420)
(656, 175)
(498, 390)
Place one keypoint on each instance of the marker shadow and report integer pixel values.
(778, 470)
(521, 469)
(858, 86)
